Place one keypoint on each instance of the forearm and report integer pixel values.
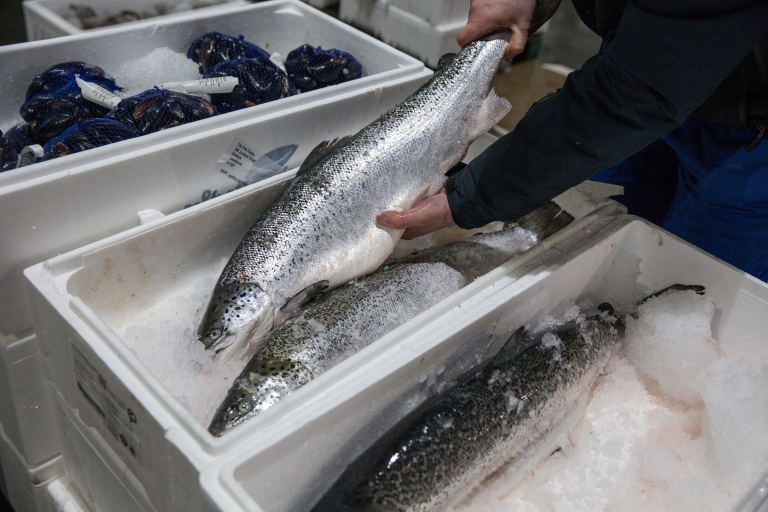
(621, 101)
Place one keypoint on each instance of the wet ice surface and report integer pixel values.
(164, 338)
(159, 66)
(659, 436)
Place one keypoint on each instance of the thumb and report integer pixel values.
(473, 31)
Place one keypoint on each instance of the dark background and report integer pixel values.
(11, 22)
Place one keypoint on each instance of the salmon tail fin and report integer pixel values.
(494, 107)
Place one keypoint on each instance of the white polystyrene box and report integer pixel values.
(436, 12)
(79, 298)
(103, 482)
(403, 29)
(329, 430)
(26, 485)
(50, 208)
(56, 206)
(25, 407)
(277, 26)
(43, 18)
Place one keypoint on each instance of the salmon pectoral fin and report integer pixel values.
(494, 107)
(306, 295)
(321, 151)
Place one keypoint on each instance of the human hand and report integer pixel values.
(486, 16)
(429, 215)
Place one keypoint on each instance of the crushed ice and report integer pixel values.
(159, 66)
(675, 424)
(164, 338)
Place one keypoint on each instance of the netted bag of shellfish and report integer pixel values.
(314, 68)
(88, 134)
(157, 109)
(11, 144)
(260, 82)
(214, 48)
(54, 101)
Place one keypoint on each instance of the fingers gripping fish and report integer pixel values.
(322, 233)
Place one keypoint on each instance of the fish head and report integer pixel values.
(236, 314)
(259, 387)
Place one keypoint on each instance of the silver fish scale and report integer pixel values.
(450, 444)
(323, 227)
(479, 254)
(329, 331)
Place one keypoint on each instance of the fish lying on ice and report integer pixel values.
(348, 319)
(322, 232)
(506, 412)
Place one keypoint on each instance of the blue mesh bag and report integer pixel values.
(214, 48)
(314, 68)
(11, 144)
(88, 134)
(157, 109)
(54, 103)
(260, 82)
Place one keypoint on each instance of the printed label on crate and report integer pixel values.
(216, 85)
(96, 94)
(118, 417)
(244, 165)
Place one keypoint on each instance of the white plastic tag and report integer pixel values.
(29, 155)
(218, 85)
(96, 94)
(278, 61)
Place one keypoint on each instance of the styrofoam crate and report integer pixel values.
(25, 408)
(27, 485)
(436, 12)
(71, 297)
(51, 208)
(402, 29)
(43, 19)
(277, 26)
(103, 482)
(339, 424)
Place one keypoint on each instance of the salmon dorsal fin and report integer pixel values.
(519, 342)
(321, 151)
(445, 60)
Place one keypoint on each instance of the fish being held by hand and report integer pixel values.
(322, 231)
(351, 317)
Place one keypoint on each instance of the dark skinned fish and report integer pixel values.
(348, 319)
(437, 454)
(322, 232)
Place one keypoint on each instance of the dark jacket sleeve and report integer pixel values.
(663, 61)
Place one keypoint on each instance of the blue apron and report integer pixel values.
(700, 184)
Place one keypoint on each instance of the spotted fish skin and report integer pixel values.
(448, 445)
(323, 227)
(329, 330)
(355, 315)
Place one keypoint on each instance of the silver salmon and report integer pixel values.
(348, 319)
(438, 453)
(322, 232)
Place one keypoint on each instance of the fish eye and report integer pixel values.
(245, 406)
(214, 334)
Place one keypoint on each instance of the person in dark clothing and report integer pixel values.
(674, 107)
